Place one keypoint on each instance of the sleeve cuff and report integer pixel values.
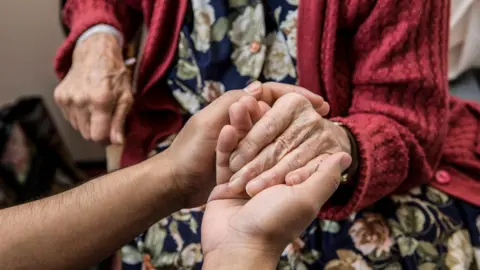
(102, 28)
(382, 166)
(81, 16)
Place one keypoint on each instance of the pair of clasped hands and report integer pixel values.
(277, 162)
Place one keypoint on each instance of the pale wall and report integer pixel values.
(29, 35)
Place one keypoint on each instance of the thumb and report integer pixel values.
(216, 114)
(321, 185)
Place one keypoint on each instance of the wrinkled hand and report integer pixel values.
(192, 154)
(96, 94)
(265, 224)
(285, 146)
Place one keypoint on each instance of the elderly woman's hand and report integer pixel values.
(286, 145)
(96, 94)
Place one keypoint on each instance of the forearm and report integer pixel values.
(232, 259)
(80, 227)
(81, 15)
(121, 15)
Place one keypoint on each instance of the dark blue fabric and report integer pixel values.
(424, 229)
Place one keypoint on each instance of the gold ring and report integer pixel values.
(344, 178)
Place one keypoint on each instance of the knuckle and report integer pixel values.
(297, 161)
(281, 147)
(80, 100)
(327, 137)
(128, 99)
(270, 126)
(274, 178)
(251, 172)
(248, 147)
(297, 98)
(314, 117)
(59, 97)
(57, 94)
(102, 99)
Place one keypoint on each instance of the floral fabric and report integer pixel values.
(424, 229)
(228, 44)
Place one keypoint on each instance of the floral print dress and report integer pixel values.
(228, 44)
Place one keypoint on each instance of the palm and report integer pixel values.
(216, 222)
(242, 221)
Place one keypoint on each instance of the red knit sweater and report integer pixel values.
(382, 65)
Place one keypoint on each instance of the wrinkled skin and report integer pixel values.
(285, 146)
(96, 94)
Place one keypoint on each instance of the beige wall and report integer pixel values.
(29, 35)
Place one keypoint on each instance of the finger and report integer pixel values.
(297, 158)
(272, 91)
(72, 117)
(324, 109)
(100, 122)
(269, 127)
(216, 114)
(240, 119)
(61, 100)
(321, 185)
(83, 122)
(119, 116)
(227, 141)
(64, 113)
(301, 174)
(254, 109)
(221, 192)
(264, 107)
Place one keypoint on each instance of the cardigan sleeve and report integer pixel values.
(399, 112)
(80, 15)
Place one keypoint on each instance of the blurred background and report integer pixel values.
(29, 36)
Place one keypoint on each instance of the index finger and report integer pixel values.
(271, 91)
(100, 122)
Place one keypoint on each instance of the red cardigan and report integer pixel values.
(382, 65)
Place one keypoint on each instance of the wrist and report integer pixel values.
(349, 140)
(98, 46)
(241, 258)
(342, 137)
(102, 28)
(161, 171)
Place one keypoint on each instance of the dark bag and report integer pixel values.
(33, 159)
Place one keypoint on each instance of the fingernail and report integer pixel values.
(253, 87)
(345, 161)
(236, 163)
(254, 187)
